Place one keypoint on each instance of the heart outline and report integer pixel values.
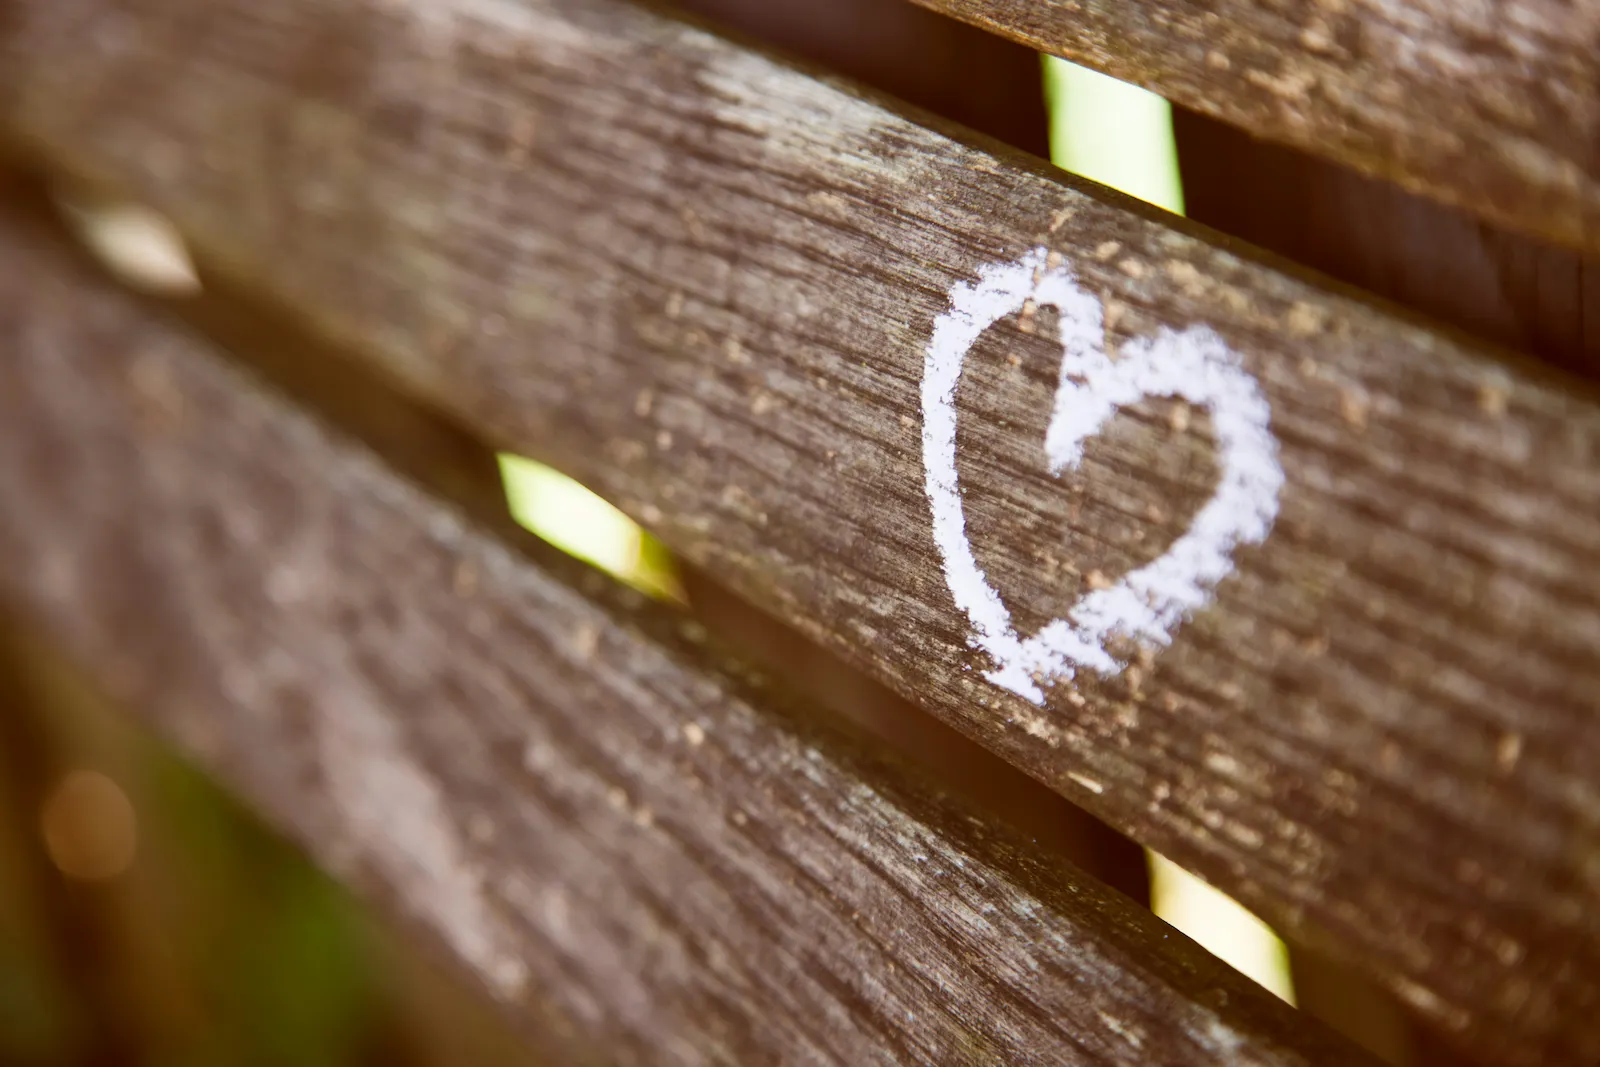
(1151, 601)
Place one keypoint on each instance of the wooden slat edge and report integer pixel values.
(593, 816)
(1501, 286)
(1493, 108)
(704, 283)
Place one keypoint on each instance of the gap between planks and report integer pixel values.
(1492, 108)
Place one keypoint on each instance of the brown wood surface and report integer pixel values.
(702, 282)
(620, 834)
(1493, 106)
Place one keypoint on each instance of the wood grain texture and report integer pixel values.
(1491, 106)
(703, 282)
(624, 840)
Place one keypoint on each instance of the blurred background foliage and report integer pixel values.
(147, 918)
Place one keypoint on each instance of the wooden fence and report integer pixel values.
(1295, 586)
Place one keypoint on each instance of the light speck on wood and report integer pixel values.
(1433, 563)
(762, 894)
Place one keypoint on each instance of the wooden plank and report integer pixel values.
(1493, 107)
(608, 827)
(706, 284)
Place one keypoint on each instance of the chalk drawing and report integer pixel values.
(1149, 603)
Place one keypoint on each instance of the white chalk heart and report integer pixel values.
(1149, 603)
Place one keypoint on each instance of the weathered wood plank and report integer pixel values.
(1493, 107)
(603, 824)
(706, 284)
